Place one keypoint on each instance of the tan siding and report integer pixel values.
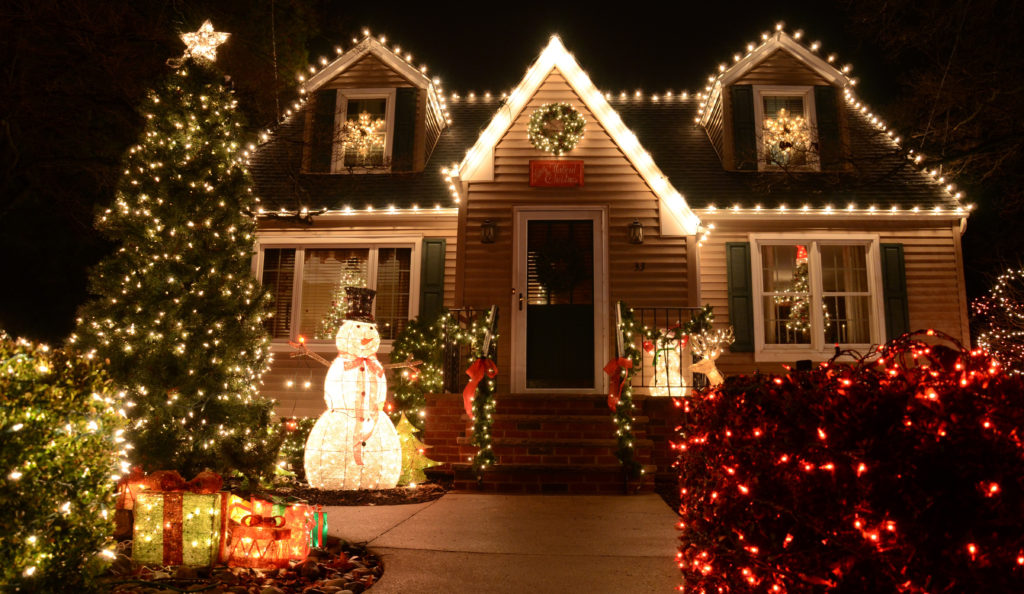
(716, 126)
(934, 279)
(368, 72)
(611, 182)
(781, 68)
(297, 400)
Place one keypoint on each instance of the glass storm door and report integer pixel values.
(557, 307)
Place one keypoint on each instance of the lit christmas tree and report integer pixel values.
(178, 316)
(414, 457)
(339, 306)
(999, 321)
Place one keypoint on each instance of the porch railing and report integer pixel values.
(675, 376)
(457, 350)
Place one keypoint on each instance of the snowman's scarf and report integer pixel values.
(366, 364)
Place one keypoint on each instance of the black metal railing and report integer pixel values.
(458, 349)
(672, 363)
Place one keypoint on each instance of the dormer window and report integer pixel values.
(786, 128)
(364, 125)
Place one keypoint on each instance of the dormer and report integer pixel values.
(371, 112)
(778, 109)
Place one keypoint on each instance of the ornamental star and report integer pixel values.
(202, 44)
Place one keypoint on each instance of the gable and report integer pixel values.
(781, 68)
(368, 72)
(675, 216)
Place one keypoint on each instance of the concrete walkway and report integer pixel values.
(518, 543)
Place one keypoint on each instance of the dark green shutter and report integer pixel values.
(829, 142)
(741, 295)
(405, 129)
(322, 136)
(894, 290)
(432, 278)
(743, 133)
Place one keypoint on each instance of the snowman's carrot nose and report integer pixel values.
(367, 341)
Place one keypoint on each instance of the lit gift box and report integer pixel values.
(178, 528)
(259, 542)
(299, 519)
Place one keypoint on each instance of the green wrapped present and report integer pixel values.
(178, 528)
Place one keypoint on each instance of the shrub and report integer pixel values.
(902, 473)
(421, 340)
(61, 451)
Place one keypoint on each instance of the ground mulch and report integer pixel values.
(397, 496)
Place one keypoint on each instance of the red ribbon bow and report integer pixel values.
(370, 362)
(479, 368)
(614, 370)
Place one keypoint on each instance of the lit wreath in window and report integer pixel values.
(556, 128)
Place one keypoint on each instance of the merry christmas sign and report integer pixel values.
(550, 173)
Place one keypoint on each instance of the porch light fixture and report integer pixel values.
(488, 230)
(636, 232)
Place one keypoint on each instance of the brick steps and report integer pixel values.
(544, 443)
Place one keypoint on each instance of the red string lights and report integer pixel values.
(902, 471)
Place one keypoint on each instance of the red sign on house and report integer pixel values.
(550, 173)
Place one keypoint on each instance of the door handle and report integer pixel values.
(520, 301)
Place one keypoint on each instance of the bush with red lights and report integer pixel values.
(900, 472)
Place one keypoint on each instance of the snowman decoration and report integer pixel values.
(354, 445)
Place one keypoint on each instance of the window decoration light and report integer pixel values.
(787, 136)
(353, 445)
(363, 135)
(555, 128)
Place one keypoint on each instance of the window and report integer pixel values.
(785, 124)
(813, 293)
(364, 123)
(308, 284)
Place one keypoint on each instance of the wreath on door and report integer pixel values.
(560, 265)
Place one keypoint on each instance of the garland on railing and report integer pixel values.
(478, 395)
(620, 394)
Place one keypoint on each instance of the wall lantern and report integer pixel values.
(636, 231)
(488, 230)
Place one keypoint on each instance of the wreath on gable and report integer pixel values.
(555, 128)
(560, 265)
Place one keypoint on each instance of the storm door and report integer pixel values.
(558, 300)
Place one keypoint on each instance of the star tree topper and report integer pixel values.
(202, 44)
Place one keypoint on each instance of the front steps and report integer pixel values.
(550, 443)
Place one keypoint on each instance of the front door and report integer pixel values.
(558, 300)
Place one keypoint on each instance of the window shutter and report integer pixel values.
(278, 278)
(322, 137)
(743, 133)
(829, 142)
(432, 278)
(741, 295)
(405, 129)
(894, 290)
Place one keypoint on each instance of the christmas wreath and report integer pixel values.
(560, 265)
(555, 128)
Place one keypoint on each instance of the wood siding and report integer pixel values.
(934, 273)
(781, 68)
(296, 400)
(716, 127)
(611, 183)
(368, 72)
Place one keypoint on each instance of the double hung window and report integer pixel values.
(813, 293)
(364, 122)
(785, 121)
(308, 287)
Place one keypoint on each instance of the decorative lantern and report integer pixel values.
(636, 232)
(260, 543)
(488, 231)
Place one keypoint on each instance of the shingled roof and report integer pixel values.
(281, 184)
(881, 177)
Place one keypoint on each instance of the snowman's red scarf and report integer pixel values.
(370, 364)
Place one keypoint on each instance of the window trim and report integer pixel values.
(341, 118)
(414, 242)
(817, 349)
(810, 114)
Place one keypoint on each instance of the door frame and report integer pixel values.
(522, 215)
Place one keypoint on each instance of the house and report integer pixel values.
(771, 193)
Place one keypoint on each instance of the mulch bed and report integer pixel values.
(341, 568)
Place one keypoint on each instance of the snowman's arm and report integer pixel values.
(305, 352)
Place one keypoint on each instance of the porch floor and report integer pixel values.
(467, 542)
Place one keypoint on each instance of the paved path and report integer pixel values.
(518, 543)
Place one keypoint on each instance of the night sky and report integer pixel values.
(78, 72)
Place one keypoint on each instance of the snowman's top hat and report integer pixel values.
(360, 304)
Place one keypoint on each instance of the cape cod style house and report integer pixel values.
(772, 194)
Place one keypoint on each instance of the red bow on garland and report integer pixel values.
(479, 368)
(614, 370)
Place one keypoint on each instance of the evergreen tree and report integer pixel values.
(178, 316)
(339, 305)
